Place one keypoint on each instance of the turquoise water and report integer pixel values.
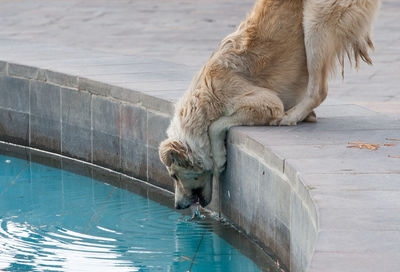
(55, 220)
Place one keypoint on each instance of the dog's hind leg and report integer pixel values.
(331, 29)
(255, 106)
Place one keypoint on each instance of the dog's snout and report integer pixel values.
(181, 205)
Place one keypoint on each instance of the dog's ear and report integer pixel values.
(173, 151)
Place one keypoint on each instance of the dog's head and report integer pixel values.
(192, 183)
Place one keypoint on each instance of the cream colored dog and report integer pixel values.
(272, 70)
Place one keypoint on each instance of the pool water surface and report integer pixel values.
(55, 220)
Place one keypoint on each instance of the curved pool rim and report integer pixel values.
(262, 257)
(120, 128)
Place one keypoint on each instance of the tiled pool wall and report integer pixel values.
(121, 129)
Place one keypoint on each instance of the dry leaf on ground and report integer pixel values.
(396, 157)
(391, 139)
(363, 145)
(390, 144)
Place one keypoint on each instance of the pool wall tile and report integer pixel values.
(282, 241)
(106, 117)
(230, 188)
(94, 87)
(157, 125)
(45, 134)
(133, 123)
(14, 93)
(76, 142)
(156, 171)
(45, 100)
(24, 71)
(14, 127)
(134, 158)
(282, 193)
(249, 187)
(266, 208)
(40, 158)
(76, 167)
(3, 67)
(61, 79)
(106, 150)
(76, 108)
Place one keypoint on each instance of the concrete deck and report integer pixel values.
(151, 49)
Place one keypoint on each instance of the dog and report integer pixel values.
(272, 70)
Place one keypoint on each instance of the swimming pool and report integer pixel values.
(55, 220)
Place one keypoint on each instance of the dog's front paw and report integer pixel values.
(287, 120)
(275, 122)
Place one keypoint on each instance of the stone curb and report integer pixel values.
(288, 187)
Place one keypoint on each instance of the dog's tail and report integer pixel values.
(357, 50)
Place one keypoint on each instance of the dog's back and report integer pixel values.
(267, 49)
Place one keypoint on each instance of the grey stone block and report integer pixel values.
(133, 123)
(157, 173)
(248, 179)
(106, 117)
(267, 190)
(61, 79)
(106, 150)
(302, 233)
(94, 87)
(45, 100)
(357, 199)
(22, 71)
(296, 256)
(354, 262)
(265, 227)
(265, 221)
(76, 167)
(282, 198)
(14, 93)
(157, 104)
(45, 134)
(359, 241)
(156, 128)
(324, 134)
(15, 151)
(76, 142)
(3, 67)
(40, 158)
(230, 187)
(125, 95)
(343, 165)
(239, 136)
(364, 182)
(14, 127)
(76, 108)
(348, 110)
(107, 177)
(134, 158)
(282, 241)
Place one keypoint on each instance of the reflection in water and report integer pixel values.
(55, 220)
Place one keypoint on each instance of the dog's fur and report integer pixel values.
(272, 70)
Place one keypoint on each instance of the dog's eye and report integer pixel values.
(174, 177)
(196, 178)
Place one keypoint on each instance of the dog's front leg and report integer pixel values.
(217, 133)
